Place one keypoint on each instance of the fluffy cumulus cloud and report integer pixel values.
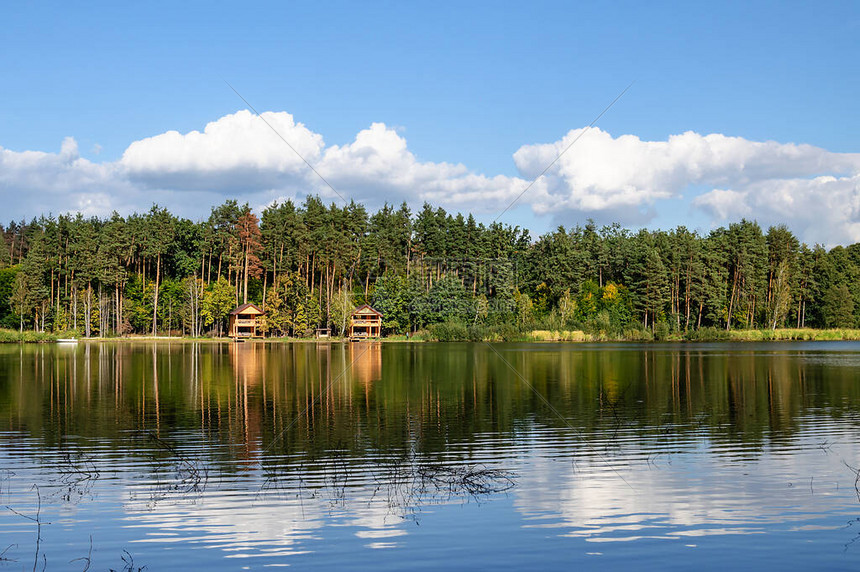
(592, 174)
(822, 209)
(378, 163)
(35, 182)
(240, 154)
(237, 152)
(627, 177)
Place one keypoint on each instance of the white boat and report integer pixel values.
(67, 340)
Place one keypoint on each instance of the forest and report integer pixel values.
(309, 265)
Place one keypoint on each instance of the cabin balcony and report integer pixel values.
(245, 322)
(366, 322)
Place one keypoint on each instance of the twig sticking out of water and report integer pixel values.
(38, 520)
(337, 476)
(404, 484)
(5, 478)
(856, 472)
(192, 475)
(614, 406)
(409, 484)
(78, 468)
(851, 542)
(474, 481)
(128, 564)
(77, 474)
(86, 559)
(3, 554)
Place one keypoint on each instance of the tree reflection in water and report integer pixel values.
(259, 434)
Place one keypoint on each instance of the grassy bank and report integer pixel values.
(458, 332)
(14, 336)
(702, 335)
(455, 332)
(792, 334)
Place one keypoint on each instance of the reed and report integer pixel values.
(14, 336)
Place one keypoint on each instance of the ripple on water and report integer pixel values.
(749, 458)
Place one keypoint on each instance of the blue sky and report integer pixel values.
(474, 85)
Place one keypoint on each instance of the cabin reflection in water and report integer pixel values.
(366, 360)
(248, 360)
(244, 413)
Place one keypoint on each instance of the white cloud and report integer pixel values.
(378, 163)
(624, 178)
(241, 154)
(236, 153)
(821, 210)
(626, 174)
(34, 183)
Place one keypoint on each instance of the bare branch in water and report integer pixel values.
(128, 563)
(78, 474)
(86, 559)
(189, 475)
(5, 550)
(856, 472)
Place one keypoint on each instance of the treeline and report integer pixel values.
(309, 265)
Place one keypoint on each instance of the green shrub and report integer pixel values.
(636, 335)
(449, 331)
(708, 334)
(13, 336)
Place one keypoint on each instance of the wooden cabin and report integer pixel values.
(365, 323)
(245, 322)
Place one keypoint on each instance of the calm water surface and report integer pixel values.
(371, 456)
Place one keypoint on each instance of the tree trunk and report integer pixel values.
(313, 271)
(245, 289)
(89, 308)
(155, 301)
(799, 303)
(118, 311)
(732, 301)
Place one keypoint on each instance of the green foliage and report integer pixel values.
(455, 331)
(138, 307)
(14, 336)
(308, 263)
(661, 331)
(218, 300)
(450, 331)
(838, 307)
(172, 307)
(708, 334)
(446, 301)
(391, 298)
(5, 254)
(342, 307)
(291, 309)
(8, 317)
(524, 309)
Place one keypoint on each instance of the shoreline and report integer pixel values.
(535, 336)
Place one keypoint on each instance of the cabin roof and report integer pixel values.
(247, 309)
(365, 309)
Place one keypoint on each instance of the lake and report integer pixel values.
(391, 456)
